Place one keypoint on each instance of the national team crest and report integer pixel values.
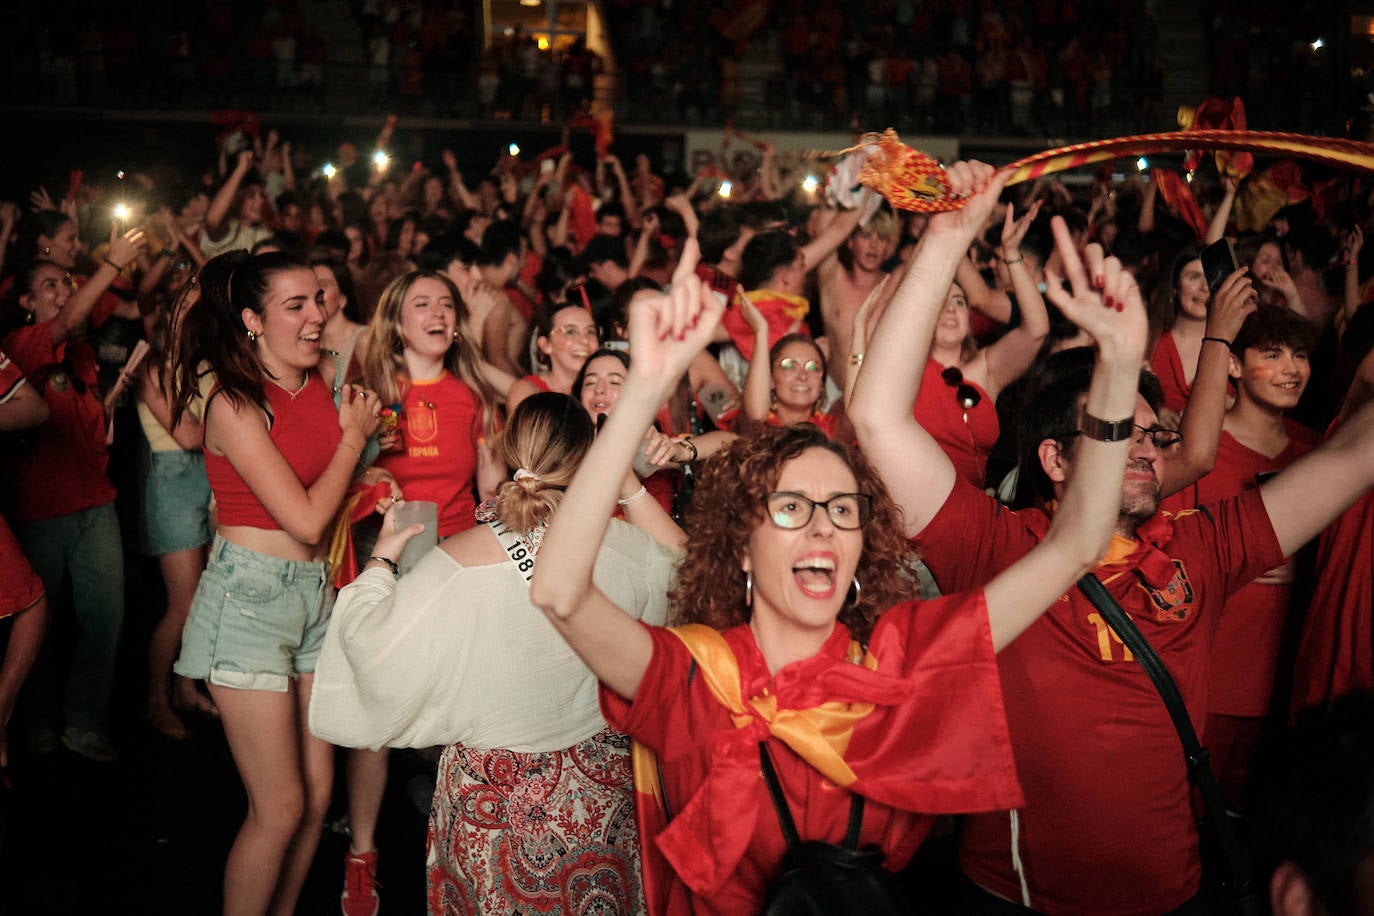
(422, 422)
(1173, 601)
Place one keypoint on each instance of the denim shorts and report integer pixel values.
(176, 502)
(256, 621)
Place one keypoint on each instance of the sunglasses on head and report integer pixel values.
(967, 396)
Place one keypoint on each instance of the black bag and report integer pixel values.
(1227, 880)
(822, 879)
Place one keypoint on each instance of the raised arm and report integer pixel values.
(1350, 256)
(123, 250)
(1087, 513)
(1217, 227)
(224, 197)
(1007, 359)
(831, 237)
(666, 331)
(1322, 484)
(758, 388)
(1206, 410)
(916, 470)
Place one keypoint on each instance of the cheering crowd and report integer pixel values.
(795, 496)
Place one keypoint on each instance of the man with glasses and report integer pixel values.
(1107, 826)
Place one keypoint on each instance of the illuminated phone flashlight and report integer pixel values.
(1317, 45)
(513, 149)
(380, 159)
(1142, 164)
(809, 184)
(121, 212)
(725, 189)
(328, 170)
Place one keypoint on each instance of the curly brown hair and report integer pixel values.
(731, 493)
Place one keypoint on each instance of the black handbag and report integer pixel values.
(823, 879)
(1228, 883)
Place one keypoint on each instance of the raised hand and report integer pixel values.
(657, 451)
(1109, 306)
(1014, 230)
(981, 184)
(1231, 304)
(124, 249)
(668, 329)
(41, 200)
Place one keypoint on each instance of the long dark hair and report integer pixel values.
(211, 335)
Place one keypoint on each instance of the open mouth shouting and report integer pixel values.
(815, 574)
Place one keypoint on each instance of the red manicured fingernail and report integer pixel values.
(1099, 281)
(1121, 306)
(1107, 301)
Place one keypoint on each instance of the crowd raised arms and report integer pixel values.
(710, 471)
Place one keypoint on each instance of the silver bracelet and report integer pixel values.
(631, 498)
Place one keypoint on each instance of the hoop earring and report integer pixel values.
(46, 251)
(749, 588)
(251, 336)
(858, 594)
(29, 317)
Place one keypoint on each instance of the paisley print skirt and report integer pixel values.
(513, 833)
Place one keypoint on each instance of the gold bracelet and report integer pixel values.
(856, 359)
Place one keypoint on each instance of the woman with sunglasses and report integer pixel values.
(566, 336)
(957, 403)
(785, 383)
(794, 549)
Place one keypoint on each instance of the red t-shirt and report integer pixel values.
(1166, 363)
(935, 742)
(1334, 653)
(64, 471)
(1245, 649)
(305, 429)
(441, 421)
(966, 436)
(1107, 827)
(20, 586)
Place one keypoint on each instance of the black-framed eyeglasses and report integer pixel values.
(1162, 437)
(791, 511)
(967, 396)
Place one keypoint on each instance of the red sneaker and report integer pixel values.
(359, 896)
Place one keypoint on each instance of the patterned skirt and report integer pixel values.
(513, 833)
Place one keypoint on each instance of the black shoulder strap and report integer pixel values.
(789, 826)
(1197, 757)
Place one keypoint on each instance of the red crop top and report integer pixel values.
(305, 430)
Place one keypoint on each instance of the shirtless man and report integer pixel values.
(846, 278)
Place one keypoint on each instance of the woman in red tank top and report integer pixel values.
(279, 458)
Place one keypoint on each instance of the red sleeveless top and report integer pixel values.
(305, 429)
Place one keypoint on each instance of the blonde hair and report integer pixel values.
(384, 360)
(546, 436)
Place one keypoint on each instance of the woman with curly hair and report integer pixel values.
(533, 804)
(794, 550)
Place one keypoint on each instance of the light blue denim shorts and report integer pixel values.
(256, 621)
(176, 502)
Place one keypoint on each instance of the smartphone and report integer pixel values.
(1218, 263)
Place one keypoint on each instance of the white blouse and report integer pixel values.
(451, 654)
